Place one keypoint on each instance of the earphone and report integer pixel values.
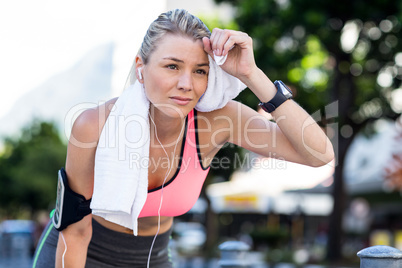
(139, 73)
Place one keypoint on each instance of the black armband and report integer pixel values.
(70, 206)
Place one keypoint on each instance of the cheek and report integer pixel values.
(203, 90)
(153, 87)
(151, 90)
(203, 87)
(200, 84)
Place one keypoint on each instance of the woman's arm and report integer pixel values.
(80, 173)
(298, 132)
(295, 137)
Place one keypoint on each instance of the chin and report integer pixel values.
(173, 111)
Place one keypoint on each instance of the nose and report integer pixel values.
(185, 82)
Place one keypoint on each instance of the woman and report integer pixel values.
(172, 66)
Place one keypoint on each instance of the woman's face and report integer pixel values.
(176, 75)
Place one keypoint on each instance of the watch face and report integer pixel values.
(285, 90)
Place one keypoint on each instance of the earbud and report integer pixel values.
(139, 73)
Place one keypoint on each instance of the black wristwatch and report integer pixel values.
(283, 94)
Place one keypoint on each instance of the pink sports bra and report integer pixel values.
(182, 191)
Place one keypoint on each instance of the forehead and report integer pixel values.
(181, 47)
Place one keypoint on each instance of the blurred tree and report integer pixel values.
(28, 168)
(343, 52)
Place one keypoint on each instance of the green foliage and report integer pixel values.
(214, 22)
(300, 42)
(28, 168)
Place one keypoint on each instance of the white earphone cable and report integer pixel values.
(163, 184)
(65, 250)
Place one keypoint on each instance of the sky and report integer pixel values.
(44, 37)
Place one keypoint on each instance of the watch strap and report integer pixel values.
(275, 102)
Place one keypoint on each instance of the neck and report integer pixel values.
(168, 128)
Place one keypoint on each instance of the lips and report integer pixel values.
(181, 100)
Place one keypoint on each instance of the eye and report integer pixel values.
(172, 66)
(201, 71)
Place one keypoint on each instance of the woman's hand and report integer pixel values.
(239, 47)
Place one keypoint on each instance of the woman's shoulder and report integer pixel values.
(89, 124)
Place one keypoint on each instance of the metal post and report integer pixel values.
(233, 254)
(380, 256)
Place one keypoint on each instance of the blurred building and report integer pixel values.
(271, 202)
(298, 198)
(267, 188)
(375, 202)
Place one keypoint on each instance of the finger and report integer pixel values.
(219, 41)
(215, 31)
(241, 40)
(230, 43)
(207, 46)
(225, 40)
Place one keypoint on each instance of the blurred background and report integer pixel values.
(343, 61)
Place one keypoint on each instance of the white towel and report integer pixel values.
(222, 87)
(121, 176)
(220, 59)
(122, 155)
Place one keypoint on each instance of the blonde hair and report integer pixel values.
(177, 21)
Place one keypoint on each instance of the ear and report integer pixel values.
(139, 64)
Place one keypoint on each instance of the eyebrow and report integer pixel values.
(181, 61)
